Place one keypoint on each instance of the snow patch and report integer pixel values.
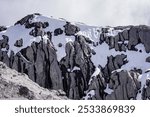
(108, 90)
(75, 68)
(96, 73)
(89, 95)
(113, 32)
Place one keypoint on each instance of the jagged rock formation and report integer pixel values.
(125, 85)
(77, 56)
(14, 85)
(86, 62)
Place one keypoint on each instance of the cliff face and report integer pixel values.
(87, 62)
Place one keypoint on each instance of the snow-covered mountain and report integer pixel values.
(87, 62)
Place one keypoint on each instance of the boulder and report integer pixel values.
(19, 43)
(58, 31)
(71, 29)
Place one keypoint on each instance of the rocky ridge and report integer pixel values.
(86, 62)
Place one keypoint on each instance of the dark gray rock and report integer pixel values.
(105, 30)
(49, 35)
(119, 60)
(26, 20)
(125, 34)
(147, 90)
(70, 29)
(102, 38)
(121, 36)
(111, 43)
(4, 41)
(148, 59)
(144, 35)
(69, 49)
(37, 32)
(93, 52)
(2, 28)
(60, 45)
(133, 38)
(116, 38)
(45, 24)
(5, 58)
(39, 62)
(88, 40)
(58, 31)
(98, 84)
(123, 47)
(125, 86)
(19, 43)
(114, 63)
(40, 24)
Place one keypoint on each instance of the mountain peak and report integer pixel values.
(86, 62)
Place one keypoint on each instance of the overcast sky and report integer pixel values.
(93, 12)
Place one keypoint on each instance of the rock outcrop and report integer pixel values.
(124, 84)
(39, 62)
(76, 67)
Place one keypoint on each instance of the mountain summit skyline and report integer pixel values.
(95, 12)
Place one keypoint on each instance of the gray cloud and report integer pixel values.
(93, 12)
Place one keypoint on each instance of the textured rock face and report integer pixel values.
(77, 56)
(86, 62)
(124, 84)
(128, 38)
(71, 29)
(41, 65)
(38, 62)
(114, 63)
(146, 91)
(14, 85)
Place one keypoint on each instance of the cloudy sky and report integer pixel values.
(92, 12)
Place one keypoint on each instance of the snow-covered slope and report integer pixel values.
(93, 53)
(14, 85)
